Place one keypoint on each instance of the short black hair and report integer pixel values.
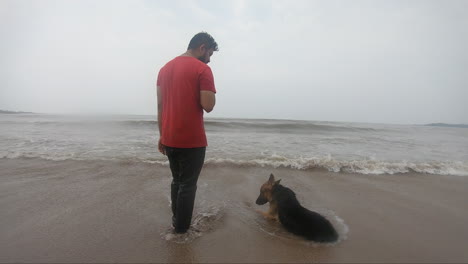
(203, 38)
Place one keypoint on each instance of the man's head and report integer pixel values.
(202, 46)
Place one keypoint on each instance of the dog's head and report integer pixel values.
(266, 190)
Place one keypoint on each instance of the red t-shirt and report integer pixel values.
(181, 81)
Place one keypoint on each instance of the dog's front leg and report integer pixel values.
(267, 215)
(273, 212)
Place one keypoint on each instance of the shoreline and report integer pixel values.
(110, 211)
(361, 167)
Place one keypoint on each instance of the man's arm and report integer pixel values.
(160, 106)
(207, 100)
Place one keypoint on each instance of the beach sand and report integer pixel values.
(104, 211)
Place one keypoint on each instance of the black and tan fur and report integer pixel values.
(285, 208)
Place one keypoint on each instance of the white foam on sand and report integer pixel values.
(202, 223)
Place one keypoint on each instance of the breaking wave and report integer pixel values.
(364, 166)
(367, 166)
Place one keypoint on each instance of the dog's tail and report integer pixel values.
(333, 237)
(330, 236)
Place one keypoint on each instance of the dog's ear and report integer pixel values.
(277, 182)
(271, 180)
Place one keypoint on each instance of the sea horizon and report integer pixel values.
(432, 123)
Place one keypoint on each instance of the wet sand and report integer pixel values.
(102, 211)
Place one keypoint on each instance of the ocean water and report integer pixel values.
(299, 145)
(108, 195)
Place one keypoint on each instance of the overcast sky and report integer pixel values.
(359, 61)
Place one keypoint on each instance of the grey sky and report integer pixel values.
(362, 61)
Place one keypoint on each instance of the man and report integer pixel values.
(185, 88)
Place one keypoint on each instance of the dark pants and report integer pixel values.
(186, 165)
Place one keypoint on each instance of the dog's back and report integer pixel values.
(299, 220)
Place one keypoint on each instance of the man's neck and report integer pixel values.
(189, 53)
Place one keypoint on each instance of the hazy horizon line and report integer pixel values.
(435, 123)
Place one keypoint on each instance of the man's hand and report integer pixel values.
(207, 100)
(161, 148)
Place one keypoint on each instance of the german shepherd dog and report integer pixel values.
(285, 208)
